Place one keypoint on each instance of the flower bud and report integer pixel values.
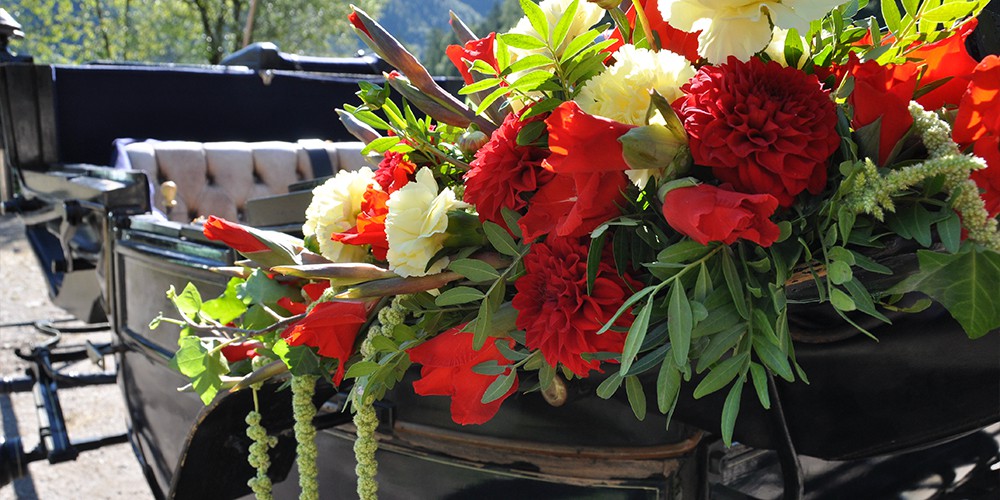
(606, 4)
(471, 141)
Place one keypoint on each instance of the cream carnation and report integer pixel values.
(621, 93)
(416, 224)
(740, 28)
(334, 209)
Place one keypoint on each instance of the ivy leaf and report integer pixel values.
(965, 283)
(188, 302)
(264, 290)
(300, 360)
(205, 369)
(227, 306)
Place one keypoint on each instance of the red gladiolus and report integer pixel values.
(238, 351)
(504, 172)
(947, 58)
(291, 306)
(332, 328)
(764, 128)
(707, 213)
(978, 124)
(356, 21)
(234, 235)
(672, 39)
(557, 314)
(590, 175)
(447, 361)
(473, 50)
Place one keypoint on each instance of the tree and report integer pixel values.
(187, 31)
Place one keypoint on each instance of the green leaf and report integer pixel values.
(536, 17)
(870, 265)
(965, 283)
(759, 377)
(490, 367)
(950, 232)
(636, 334)
(577, 44)
(499, 387)
(668, 385)
(189, 301)
(730, 410)
(381, 144)
(594, 254)
(773, 357)
(636, 397)
(703, 285)
(500, 239)
(629, 302)
(839, 272)
(263, 290)
(300, 359)
(890, 13)
(722, 374)
(519, 41)
(528, 63)
(226, 307)
(719, 345)
(562, 27)
(683, 252)
(531, 80)
(204, 368)
(511, 218)
(610, 385)
(841, 300)
(679, 322)
(361, 369)
(482, 328)
(735, 284)
(474, 269)
(949, 12)
(490, 99)
(484, 84)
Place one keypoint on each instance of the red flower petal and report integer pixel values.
(946, 58)
(672, 39)
(447, 360)
(331, 327)
(234, 235)
(473, 50)
(706, 213)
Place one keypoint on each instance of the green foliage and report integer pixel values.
(204, 365)
(187, 31)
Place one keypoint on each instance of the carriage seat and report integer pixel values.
(217, 178)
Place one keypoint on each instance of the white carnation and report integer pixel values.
(740, 28)
(334, 209)
(416, 224)
(621, 92)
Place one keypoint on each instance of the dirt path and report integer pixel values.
(111, 472)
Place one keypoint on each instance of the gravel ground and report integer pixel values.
(111, 472)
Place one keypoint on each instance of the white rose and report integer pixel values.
(740, 28)
(334, 209)
(416, 224)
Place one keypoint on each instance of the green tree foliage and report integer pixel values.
(186, 31)
(502, 16)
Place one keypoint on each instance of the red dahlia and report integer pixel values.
(763, 128)
(557, 315)
(503, 172)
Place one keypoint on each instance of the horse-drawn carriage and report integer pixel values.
(108, 165)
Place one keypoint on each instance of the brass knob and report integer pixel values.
(555, 394)
(169, 191)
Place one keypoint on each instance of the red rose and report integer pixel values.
(447, 361)
(590, 175)
(881, 92)
(978, 124)
(706, 213)
(503, 172)
(473, 50)
(946, 58)
(672, 39)
(238, 351)
(557, 314)
(331, 327)
(762, 127)
(234, 235)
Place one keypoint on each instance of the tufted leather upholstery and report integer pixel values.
(217, 178)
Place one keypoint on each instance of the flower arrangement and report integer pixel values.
(630, 201)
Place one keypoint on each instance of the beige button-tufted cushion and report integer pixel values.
(217, 178)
